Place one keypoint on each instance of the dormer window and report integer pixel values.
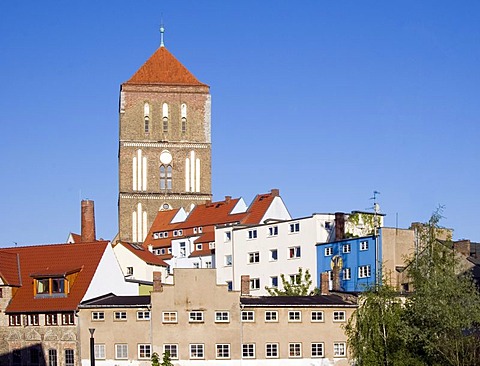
(51, 287)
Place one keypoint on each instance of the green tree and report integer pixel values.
(299, 285)
(155, 359)
(166, 359)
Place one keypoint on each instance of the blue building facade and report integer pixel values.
(358, 261)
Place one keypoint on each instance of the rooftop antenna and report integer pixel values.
(162, 31)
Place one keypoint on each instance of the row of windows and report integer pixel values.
(346, 248)
(293, 316)
(222, 351)
(35, 357)
(179, 232)
(255, 282)
(165, 123)
(16, 320)
(272, 231)
(146, 116)
(254, 257)
(363, 272)
(120, 315)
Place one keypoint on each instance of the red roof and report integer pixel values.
(9, 269)
(202, 253)
(144, 254)
(207, 237)
(163, 68)
(54, 260)
(258, 208)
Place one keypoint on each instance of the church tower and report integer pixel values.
(165, 144)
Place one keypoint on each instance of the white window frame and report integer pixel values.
(364, 271)
(339, 349)
(254, 257)
(222, 316)
(347, 274)
(252, 234)
(254, 284)
(169, 317)
(346, 248)
(317, 316)
(248, 316)
(294, 227)
(198, 246)
(272, 258)
(195, 316)
(248, 350)
(318, 349)
(99, 351)
(98, 316)
(198, 347)
(273, 230)
(146, 349)
(227, 236)
(364, 245)
(328, 251)
(120, 316)
(339, 316)
(273, 285)
(295, 350)
(274, 350)
(173, 356)
(142, 315)
(294, 316)
(222, 351)
(271, 316)
(121, 351)
(294, 252)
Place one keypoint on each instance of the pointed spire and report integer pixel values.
(162, 31)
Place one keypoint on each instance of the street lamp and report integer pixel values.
(92, 346)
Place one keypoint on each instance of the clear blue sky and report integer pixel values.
(325, 100)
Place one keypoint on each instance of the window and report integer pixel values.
(228, 236)
(165, 124)
(273, 255)
(364, 271)
(52, 357)
(338, 316)
(317, 316)
(165, 178)
(183, 249)
(144, 351)
(15, 320)
(347, 273)
(228, 260)
(51, 287)
(51, 319)
(295, 350)
(120, 315)
(121, 351)
(254, 257)
(98, 315)
(274, 282)
(294, 316)
(196, 351)
(1, 293)
(294, 252)
(223, 350)
(295, 227)
(143, 315)
(147, 124)
(196, 265)
(248, 316)
(198, 247)
(273, 230)
(69, 357)
(200, 229)
(99, 351)
(169, 316)
(183, 111)
(330, 275)
(317, 349)
(68, 319)
(328, 251)
(195, 316)
(295, 278)
(229, 285)
(248, 350)
(339, 349)
(271, 350)
(255, 284)
(172, 350)
(222, 317)
(34, 356)
(271, 316)
(364, 245)
(33, 319)
(208, 264)
(129, 271)
(328, 225)
(252, 234)
(184, 125)
(346, 248)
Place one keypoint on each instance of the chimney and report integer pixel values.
(275, 192)
(339, 226)
(324, 284)
(462, 246)
(157, 281)
(227, 199)
(336, 276)
(88, 221)
(245, 285)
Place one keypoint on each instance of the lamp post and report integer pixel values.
(92, 346)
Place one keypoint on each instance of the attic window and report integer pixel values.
(51, 287)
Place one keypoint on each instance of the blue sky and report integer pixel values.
(325, 100)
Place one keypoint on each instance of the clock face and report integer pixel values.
(165, 157)
(166, 206)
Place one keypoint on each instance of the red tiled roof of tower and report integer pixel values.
(144, 254)
(55, 259)
(9, 269)
(163, 68)
(258, 208)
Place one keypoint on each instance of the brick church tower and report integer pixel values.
(165, 146)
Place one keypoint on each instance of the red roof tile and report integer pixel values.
(207, 237)
(144, 254)
(258, 208)
(55, 259)
(163, 68)
(9, 269)
(202, 253)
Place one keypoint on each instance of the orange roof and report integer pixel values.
(163, 68)
(57, 259)
(9, 269)
(258, 208)
(202, 253)
(144, 254)
(207, 237)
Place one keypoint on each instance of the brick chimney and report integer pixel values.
(339, 226)
(324, 290)
(88, 221)
(157, 281)
(228, 199)
(245, 285)
(275, 192)
(462, 246)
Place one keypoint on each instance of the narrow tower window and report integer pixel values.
(165, 117)
(146, 117)
(184, 117)
(165, 177)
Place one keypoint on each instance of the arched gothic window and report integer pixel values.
(146, 117)
(184, 117)
(165, 117)
(165, 177)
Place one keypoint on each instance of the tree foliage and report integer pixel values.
(437, 325)
(300, 285)
(167, 361)
(155, 359)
